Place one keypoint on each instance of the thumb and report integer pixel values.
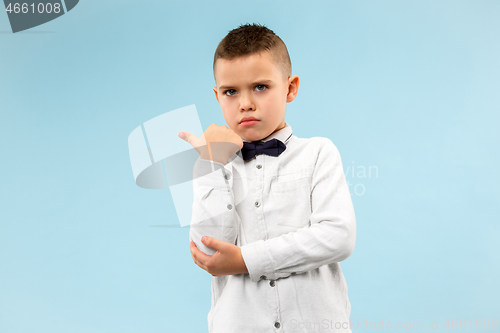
(212, 242)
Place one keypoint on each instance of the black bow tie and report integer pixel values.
(272, 147)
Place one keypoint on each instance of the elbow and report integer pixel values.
(348, 246)
(348, 250)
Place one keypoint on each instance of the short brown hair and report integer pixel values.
(254, 38)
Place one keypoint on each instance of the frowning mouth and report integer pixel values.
(248, 122)
(245, 119)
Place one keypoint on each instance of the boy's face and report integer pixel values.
(253, 86)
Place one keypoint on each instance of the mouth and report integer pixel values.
(248, 119)
(248, 122)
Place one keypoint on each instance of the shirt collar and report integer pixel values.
(283, 135)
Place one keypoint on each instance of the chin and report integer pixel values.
(253, 138)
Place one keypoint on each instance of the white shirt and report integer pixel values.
(293, 218)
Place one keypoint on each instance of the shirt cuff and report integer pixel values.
(257, 260)
(210, 173)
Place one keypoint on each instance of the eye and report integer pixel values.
(261, 87)
(230, 92)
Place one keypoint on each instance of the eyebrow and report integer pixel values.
(252, 84)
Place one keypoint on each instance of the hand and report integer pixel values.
(226, 261)
(222, 143)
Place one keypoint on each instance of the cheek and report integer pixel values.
(228, 113)
(276, 100)
(269, 100)
(227, 104)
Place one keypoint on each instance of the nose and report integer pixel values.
(246, 102)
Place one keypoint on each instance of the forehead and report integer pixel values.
(246, 68)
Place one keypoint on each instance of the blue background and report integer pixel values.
(407, 87)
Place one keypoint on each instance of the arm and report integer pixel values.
(213, 212)
(330, 237)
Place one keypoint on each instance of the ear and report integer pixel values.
(293, 88)
(216, 95)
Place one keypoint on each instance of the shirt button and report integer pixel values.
(258, 166)
(263, 277)
(227, 176)
(229, 206)
(277, 325)
(257, 204)
(271, 283)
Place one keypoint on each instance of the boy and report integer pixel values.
(276, 211)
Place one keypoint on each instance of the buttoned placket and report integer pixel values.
(228, 171)
(273, 297)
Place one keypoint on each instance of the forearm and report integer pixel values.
(213, 211)
(303, 250)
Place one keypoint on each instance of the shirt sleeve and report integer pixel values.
(213, 211)
(329, 238)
